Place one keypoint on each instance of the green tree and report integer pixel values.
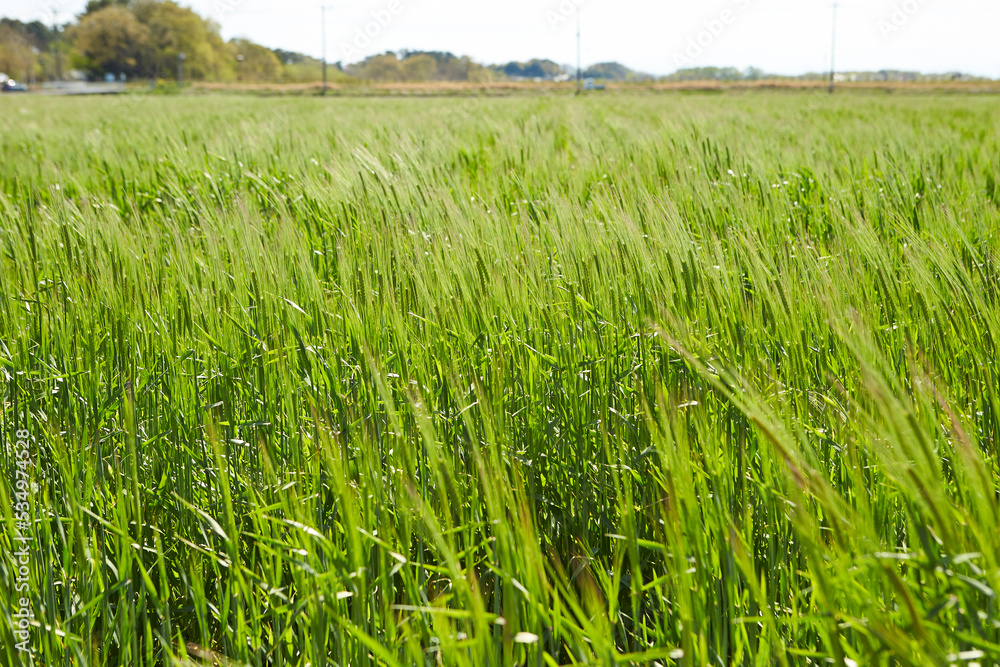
(36, 32)
(17, 58)
(175, 30)
(254, 63)
(614, 72)
(420, 67)
(306, 70)
(386, 67)
(533, 69)
(706, 74)
(97, 5)
(112, 40)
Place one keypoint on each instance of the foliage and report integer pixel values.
(94, 6)
(175, 30)
(113, 40)
(306, 70)
(533, 69)
(614, 72)
(37, 33)
(419, 66)
(710, 74)
(16, 56)
(290, 57)
(620, 379)
(258, 64)
(27, 49)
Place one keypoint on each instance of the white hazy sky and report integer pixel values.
(780, 36)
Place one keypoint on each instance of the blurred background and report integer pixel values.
(264, 41)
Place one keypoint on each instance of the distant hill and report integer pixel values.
(419, 66)
(713, 74)
(731, 74)
(615, 72)
(548, 70)
(533, 69)
(144, 39)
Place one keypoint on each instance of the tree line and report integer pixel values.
(139, 39)
(142, 39)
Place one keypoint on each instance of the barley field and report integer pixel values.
(662, 379)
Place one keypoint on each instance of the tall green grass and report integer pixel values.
(696, 380)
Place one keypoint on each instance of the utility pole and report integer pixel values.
(833, 51)
(239, 67)
(58, 55)
(180, 70)
(579, 56)
(31, 68)
(58, 41)
(323, 30)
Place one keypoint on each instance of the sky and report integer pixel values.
(778, 36)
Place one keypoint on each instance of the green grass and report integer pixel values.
(698, 380)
